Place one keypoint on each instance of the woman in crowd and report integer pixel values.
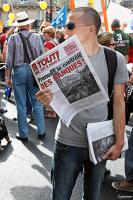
(106, 39)
(50, 42)
(60, 36)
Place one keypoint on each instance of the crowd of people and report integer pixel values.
(70, 157)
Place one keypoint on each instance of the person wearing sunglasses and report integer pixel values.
(106, 39)
(71, 154)
(43, 25)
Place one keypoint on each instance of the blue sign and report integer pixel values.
(60, 20)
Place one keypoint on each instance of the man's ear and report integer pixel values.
(92, 29)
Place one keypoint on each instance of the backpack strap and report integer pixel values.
(111, 61)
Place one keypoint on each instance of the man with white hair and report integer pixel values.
(23, 47)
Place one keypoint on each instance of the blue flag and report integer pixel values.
(60, 20)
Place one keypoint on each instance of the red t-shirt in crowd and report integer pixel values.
(49, 45)
(3, 39)
(130, 55)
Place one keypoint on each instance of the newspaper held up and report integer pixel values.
(68, 73)
(101, 136)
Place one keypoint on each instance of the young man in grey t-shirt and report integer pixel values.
(71, 153)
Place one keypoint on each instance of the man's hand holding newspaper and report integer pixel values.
(45, 97)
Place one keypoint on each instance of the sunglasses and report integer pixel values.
(71, 25)
(112, 44)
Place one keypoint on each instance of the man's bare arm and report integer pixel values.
(8, 76)
(119, 122)
(119, 113)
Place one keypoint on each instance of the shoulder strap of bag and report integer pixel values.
(111, 61)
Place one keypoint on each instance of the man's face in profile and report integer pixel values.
(79, 28)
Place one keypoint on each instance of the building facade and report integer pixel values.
(33, 9)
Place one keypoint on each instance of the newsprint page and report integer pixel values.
(101, 136)
(68, 73)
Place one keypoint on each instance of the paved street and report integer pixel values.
(25, 167)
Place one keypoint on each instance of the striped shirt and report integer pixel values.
(15, 53)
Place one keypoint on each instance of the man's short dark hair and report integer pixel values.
(115, 23)
(89, 16)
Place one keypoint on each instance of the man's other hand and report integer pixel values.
(113, 153)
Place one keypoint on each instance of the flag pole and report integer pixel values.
(51, 10)
(12, 7)
(104, 15)
(72, 4)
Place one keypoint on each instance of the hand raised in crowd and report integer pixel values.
(45, 97)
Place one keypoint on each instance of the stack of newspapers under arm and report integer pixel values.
(101, 136)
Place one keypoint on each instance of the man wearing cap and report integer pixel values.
(23, 47)
(122, 40)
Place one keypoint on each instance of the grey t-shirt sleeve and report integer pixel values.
(121, 75)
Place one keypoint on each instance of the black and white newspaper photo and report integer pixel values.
(79, 84)
(101, 146)
(68, 73)
(101, 136)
